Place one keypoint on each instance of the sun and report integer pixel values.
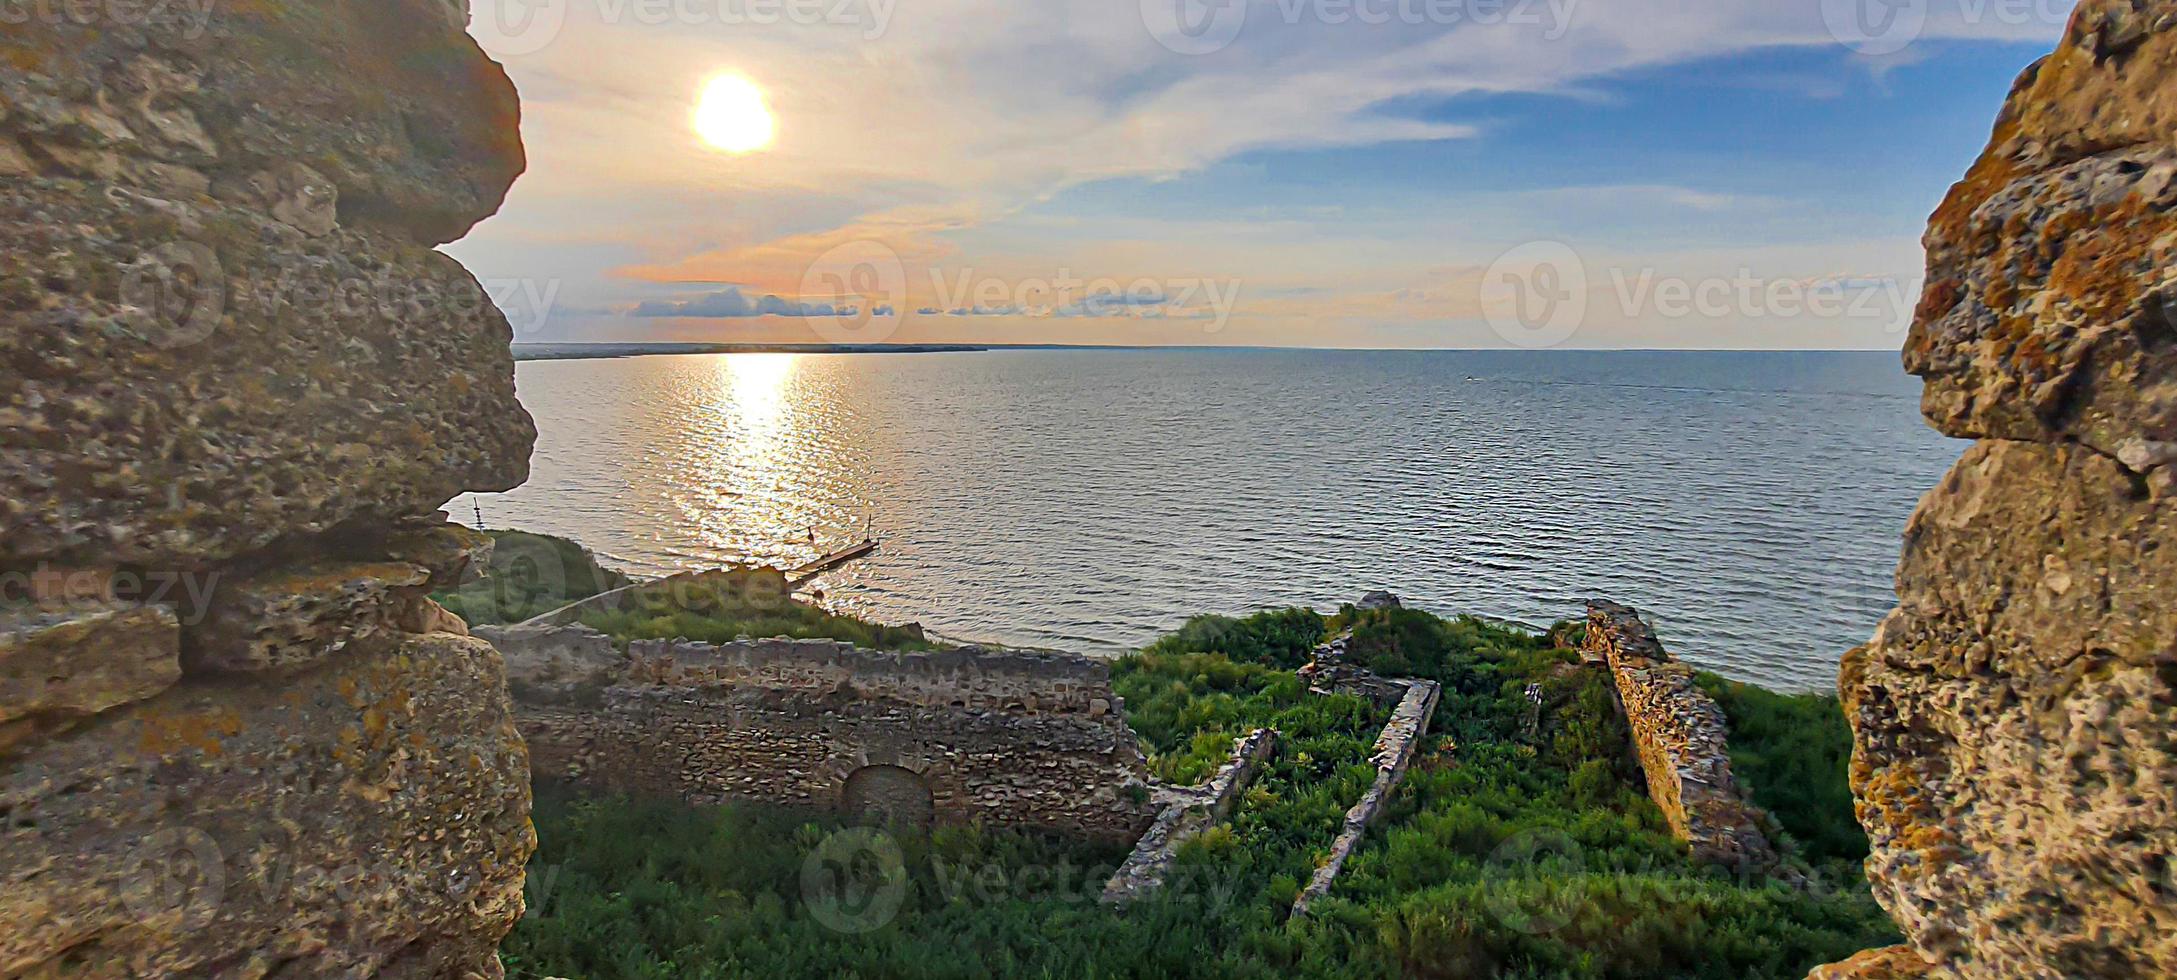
(731, 115)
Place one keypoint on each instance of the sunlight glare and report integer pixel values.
(732, 116)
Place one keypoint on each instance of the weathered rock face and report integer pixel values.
(2016, 717)
(220, 319)
(357, 821)
(235, 384)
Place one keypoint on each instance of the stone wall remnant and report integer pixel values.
(236, 383)
(1184, 812)
(1682, 739)
(2015, 718)
(1395, 749)
(997, 736)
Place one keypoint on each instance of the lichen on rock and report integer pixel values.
(2015, 719)
(232, 365)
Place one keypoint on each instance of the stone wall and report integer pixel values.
(1185, 812)
(235, 737)
(1003, 737)
(1682, 739)
(1395, 748)
(2015, 719)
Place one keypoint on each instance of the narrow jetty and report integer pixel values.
(803, 574)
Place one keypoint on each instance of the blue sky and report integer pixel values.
(1718, 175)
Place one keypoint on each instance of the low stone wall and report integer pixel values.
(1681, 737)
(1394, 752)
(1187, 811)
(972, 735)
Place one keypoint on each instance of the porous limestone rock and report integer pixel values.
(299, 614)
(2015, 719)
(1681, 737)
(1887, 963)
(2052, 266)
(369, 819)
(221, 321)
(59, 665)
(183, 383)
(236, 384)
(388, 102)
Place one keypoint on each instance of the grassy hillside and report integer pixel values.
(1519, 846)
(530, 575)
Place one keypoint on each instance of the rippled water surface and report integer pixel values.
(1090, 500)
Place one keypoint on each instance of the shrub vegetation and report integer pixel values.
(720, 606)
(1520, 846)
(1794, 752)
(529, 575)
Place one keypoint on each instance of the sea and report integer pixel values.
(1750, 504)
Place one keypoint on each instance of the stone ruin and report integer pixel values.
(235, 737)
(970, 735)
(2015, 719)
(1681, 738)
(1412, 704)
(1184, 812)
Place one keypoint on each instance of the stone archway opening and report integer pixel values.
(888, 795)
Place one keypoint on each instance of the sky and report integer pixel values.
(1733, 174)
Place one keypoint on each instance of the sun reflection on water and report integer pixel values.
(739, 459)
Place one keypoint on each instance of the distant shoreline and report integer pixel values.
(580, 352)
(604, 351)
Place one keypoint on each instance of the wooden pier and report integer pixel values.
(805, 573)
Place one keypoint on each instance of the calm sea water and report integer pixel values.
(1090, 500)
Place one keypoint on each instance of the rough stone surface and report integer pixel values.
(357, 822)
(297, 615)
(1682, 739)
(235, 385)
(2052, 267)
(995, 736)
(2015, 764)
(2015, 767)
(60, 665)
(389, 103)
(184, 383)
(1887, 963)
(1187, 811)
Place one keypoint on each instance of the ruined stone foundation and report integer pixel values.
(1002, 737)
(236, 384)
(2015, 718)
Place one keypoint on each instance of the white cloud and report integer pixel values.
(965, 112)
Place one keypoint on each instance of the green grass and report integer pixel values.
(530, 575)
(1519, 846)
(721, 606)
